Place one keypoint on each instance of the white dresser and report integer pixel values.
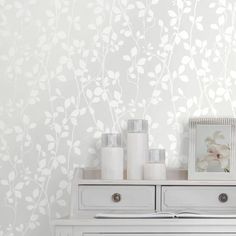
(91, 196)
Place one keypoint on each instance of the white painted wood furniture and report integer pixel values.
(91, 196)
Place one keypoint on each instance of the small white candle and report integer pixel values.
(154, 171)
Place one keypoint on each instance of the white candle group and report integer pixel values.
(141, 163)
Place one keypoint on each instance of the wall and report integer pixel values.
(71, 70)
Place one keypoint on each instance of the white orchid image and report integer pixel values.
(217, 153)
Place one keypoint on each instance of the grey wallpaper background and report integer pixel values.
(71, 70)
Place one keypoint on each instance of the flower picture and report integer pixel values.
(212, 149)
(217, 154)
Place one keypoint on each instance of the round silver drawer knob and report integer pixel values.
(223, 197)
(116, 197)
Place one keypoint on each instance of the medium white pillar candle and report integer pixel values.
(112, 156)
(112, 163)
(154, 171)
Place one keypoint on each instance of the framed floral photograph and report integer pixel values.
(212, 150)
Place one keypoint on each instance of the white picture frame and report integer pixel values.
(212, 150)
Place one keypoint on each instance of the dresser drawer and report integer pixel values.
(199, 198)
(117, 197)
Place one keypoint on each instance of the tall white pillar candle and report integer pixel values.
(137, 148)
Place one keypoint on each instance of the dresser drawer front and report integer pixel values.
(117, 197)
(204, 198)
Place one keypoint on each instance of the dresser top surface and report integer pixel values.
(174, 177)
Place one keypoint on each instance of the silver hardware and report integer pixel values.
(116, 197)
(223, 197)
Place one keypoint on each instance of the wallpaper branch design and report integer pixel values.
(71, 70)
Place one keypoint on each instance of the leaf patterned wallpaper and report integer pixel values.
(71, 70)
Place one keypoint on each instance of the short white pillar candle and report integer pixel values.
(154, 171)
(155, 168)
